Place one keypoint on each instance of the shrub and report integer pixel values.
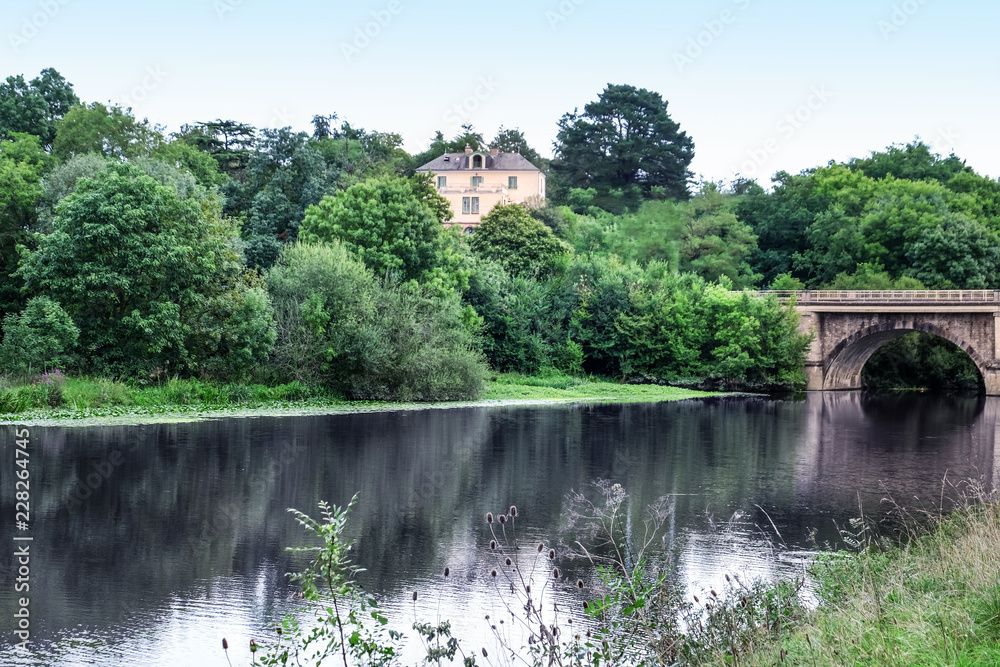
(41, 336)
(341, 328)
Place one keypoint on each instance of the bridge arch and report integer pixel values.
(843, 365)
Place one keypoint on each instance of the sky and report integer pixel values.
(760, 85)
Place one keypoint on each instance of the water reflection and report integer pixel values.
(155, 541)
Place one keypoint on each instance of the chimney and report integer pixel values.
(494, 151)
(468, 149)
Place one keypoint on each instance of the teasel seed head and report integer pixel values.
(540, 547)
(552, 554)
(493, 574)
(485, 654)
(225, 644)
(447, 571)
(502, 518)
(509, 561)
(579, 584)
(253, 646)
(414, 596)
(489, 517)
(513, 510)
(555, 573)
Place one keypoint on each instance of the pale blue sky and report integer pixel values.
(859, 75)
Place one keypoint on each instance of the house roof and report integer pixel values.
(460, 161)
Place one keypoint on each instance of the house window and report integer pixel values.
(477, 181)
(442, 182)
(477, 161)
(470, 205)
(512, 182)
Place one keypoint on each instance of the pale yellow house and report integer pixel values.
(476, 181)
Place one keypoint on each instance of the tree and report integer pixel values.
(913, 161)
(523, 245)
(384, 223)
(229, 142)
(343, 327)
(145, 274)
(624, 142)
(285, 175)
(439, 145)
(701, 236)
(41, 337)
(321, 125)
(513, 141)
(35, 107)
(19, 194)
(958, 253)
(354, 154)
(183, 155)
(109, 131)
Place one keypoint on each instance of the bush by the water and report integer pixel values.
(340, 326)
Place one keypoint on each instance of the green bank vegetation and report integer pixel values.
(932, 600)
(56, 396)
(240, 255)
(243, 257)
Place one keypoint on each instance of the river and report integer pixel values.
(150, 543)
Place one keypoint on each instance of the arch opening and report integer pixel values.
(895, 356)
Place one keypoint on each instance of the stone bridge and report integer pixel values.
(849, 326)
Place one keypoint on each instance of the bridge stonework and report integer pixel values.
(848, 327)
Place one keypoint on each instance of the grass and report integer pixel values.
(934, 601)
(88, 399)
(512, 386)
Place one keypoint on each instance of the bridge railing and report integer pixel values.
(887, 296)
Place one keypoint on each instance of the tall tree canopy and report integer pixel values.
(34, 107)
(521, 244)
(625, 142)
(385, 223)
(109, 131)
(151, 278)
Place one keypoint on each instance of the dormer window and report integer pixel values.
(477, 161)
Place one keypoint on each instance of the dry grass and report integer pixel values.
(934, 601)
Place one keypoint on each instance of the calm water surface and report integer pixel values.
(182, 540)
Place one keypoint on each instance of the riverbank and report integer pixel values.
(935, 601)
(88, 401)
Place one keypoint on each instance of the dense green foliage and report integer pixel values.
(384, 223)
(341, 326)
(521, 244)
(167, 254)
(626, 147)
(152, 279)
